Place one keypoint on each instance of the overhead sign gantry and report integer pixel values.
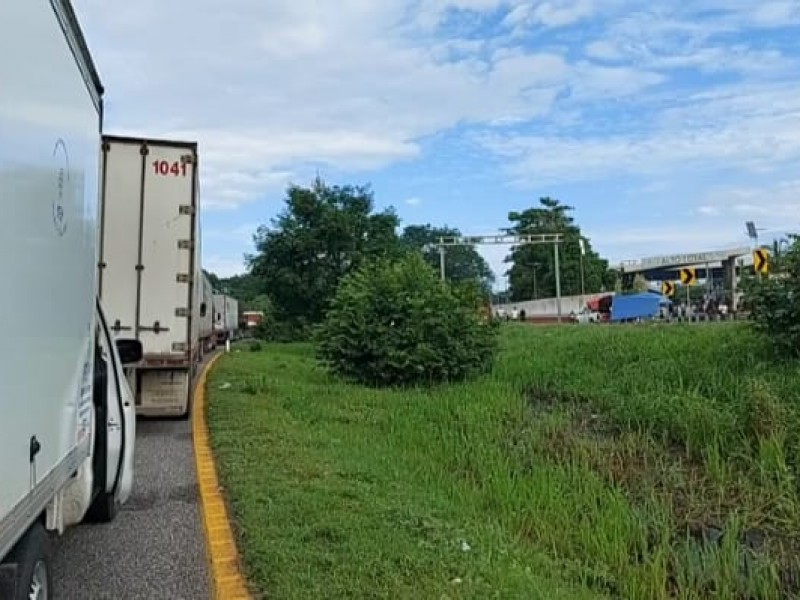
(522, 239)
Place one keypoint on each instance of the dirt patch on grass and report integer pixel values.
(714, 506)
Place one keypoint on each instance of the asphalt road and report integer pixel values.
(155, 548)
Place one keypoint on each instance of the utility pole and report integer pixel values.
(442, 263)
(558, 282)
(509, 239)
(583, 286)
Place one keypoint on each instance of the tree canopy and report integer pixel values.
(774, 299)
(462, 263)
(323, 233)
(533, 265)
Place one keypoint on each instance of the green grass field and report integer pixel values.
(594, 462)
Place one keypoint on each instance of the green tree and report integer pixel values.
(245, 288)
(213, 279)
(640, 283)
(534, 264)
(323, 233)
(393, 322)
(462, 263)
(774, 299)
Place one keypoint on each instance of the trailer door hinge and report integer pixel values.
(186, 209)
(156, 327)
(185, 245)
(183, 278)
(181, 312)
(178, 347)
(117, 327)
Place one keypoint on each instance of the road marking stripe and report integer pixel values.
(228, 583)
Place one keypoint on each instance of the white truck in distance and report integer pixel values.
(67, 424)
(150, 274)
(208, 340)
(226, 318)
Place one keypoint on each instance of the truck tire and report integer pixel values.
(31, 556)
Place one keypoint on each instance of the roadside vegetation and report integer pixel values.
(599, 462)
(403, 455)
(325, 232)
(393, 322)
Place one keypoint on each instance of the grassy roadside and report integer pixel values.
(594, 462)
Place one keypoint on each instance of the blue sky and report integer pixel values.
(666, 124)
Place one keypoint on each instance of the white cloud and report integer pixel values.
(757, 130)
(276, 88)
(771, 205)
(604, 50)
(631, 243)
(550, 13)
(776, 14)
(708, 211)
(223, 266)
(235, 234)
(413, 201)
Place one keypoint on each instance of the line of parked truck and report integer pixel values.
(108, 312)
(150, 271)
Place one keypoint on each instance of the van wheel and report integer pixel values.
(32, 559)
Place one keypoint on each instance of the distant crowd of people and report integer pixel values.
(513, 315)
(708, 307)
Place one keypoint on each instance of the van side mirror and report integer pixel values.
(130, 351)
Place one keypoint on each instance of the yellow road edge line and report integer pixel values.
(228, 582)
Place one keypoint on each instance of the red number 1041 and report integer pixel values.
(164, 167)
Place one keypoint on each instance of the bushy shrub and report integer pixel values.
(393, 322)
(774, 302)
(283, 331)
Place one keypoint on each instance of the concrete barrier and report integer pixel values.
(548, 307)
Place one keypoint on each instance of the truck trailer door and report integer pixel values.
(168, 223)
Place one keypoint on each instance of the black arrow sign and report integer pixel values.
(761, 261)
(688, 276)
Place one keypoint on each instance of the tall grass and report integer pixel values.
(630, 462)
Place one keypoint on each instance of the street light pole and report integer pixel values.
(583, 286)
(558, 281)
(535, 267)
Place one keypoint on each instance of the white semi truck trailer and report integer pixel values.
(151, 279)
(207, 338)
(67, 424)
(226, 318)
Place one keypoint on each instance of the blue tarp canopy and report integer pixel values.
(637, 306)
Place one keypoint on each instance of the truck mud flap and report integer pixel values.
(163, 387)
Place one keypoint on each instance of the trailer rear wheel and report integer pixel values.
(31, 556)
